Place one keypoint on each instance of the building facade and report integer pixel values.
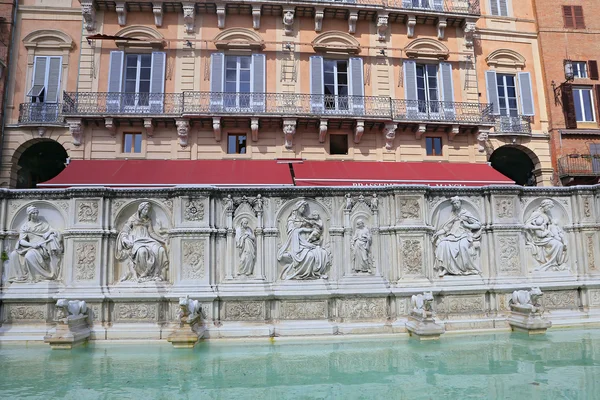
(570, 50)
(401, 81)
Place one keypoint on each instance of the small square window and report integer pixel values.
(338, 144)
(580, 69)
(132, 142)
(236, 144)
(433, 146)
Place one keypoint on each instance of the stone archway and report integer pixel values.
(37, 161)
(516, 162)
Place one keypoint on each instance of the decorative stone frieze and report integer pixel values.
(412, 257)
(183, 131)
(87, 211)
(509, 262)
(192, 259)
(85, 261)
(121, 9)
(29, 312)
(88, 11)
(363, 308)
(244, 310)
(157, 10)
(125, 312)
(382, 26)
(189, 16)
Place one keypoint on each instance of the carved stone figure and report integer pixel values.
(72, 325)
(526, 299)
(362, 259)
(302, 253)
(422, 305)
(288, 22)
(348, 205)
(38, 253)
(457, 242)
(245, 241)
(70, 308)
(143, 248)
(526, 312)
(546, 239)
(228, 203)
(189, 312)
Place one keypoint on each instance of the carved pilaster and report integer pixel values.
(110, 126)
(359, 129)
(322, 131)
(441, 27)
(352, 18)
(390, 134)
(289, 130)
(221, 16)
(183, 131)
(469, 33)
(382, 26)
(217, 128)
(88, 11)
(149, 126)
(189, 16)
(319, 13)
(256, 10)
(75, 130)
(482, 137)
(254, 129)
(157, 10)
(288, 21)
(420, 131)
(121, 9)
(453, 132)
(410, 26)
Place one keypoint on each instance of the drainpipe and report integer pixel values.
(7, 71)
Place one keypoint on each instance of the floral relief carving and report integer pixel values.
(85, 261)
(587, 207)
(193, 259)
(505, 208)
(194, 210)
(595, 297)
(590, 252)
(409, 209)
(465, 304)
(169, 204)
(560, 299)
(305, 310)
(326, 201)
(33, 312)
(95, 311)
(244, 310)
(136, 311)
(412, 255)
(63, 204)
(509, 255)
(87, 211)
(364, 308)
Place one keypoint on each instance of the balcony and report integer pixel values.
(113, 104)
(579, 165)
(519, 125)
(40, 114)
(441, 111)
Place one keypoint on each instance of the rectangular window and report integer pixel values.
(433, 146)
(584, 104)
(335, 84)
(138, 68)
(46, 79)
(573, 17)
(580, 69)
(237, 81)
(338, 144)
(499, 8)
(132, 143)
(427, 88)
(236, 144)
(507, 95)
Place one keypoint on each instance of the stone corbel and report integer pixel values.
(482, 137)
(254, 129)
(420, 131)
(359, 129)
(441, 27)
(352, 18)
(189, 16)
(217, 128)
(149, 126)
(256, 10)
(469, 30)
(382, 26)
(410, 26)
(183, 131)
(390, 134)
(157, 10)
(221, 16)
(288, 21)
(322, 131)
(319, 13)
(41, 131)
(75, 130)
(88, 11)
(455, 130)
(121, 9)
(289, 130)
(110, 126)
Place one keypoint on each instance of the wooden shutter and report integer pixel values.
(258, 82)
(357, 86)
(317, 100)
(494, 7)
(491, 85)
(115, 78)
(568, 16)
(568, 104)
(593, 69)
(503, 5)
(53, 82)
(447, 90)
(526, 93)
(38, 83)
(157, 81)
(578, 13)
(217, 67)
(410, 86)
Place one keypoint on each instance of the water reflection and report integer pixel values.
(563, 364)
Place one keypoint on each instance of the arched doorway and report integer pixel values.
(38, 161)
(515, 163)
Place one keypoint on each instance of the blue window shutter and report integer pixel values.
(157, 81)
(492, 91)
(526, 93)
(115, 78)
(259, 67)
(217, 67)
(410, 86)
(357, 86)
(447, 90)
(317, 100)
(53, 83)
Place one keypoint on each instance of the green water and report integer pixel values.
(564, 364)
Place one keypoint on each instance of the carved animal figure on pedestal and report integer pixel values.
(189, 310)
(70, 308)
(422, 304)
(527, 299)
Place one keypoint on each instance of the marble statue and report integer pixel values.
(422, 305)
(362, 259)
(457, 242)
(546, 239)
(38, 253)
(143, 248)
(348, 205)
(302, 253)
(245, 241)
(526, 299)
(190, 311)
(70, 308)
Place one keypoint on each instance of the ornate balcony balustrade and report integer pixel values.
(579, 165)
(442, 111)
(40, 113)
(519, 125)
(145, 104)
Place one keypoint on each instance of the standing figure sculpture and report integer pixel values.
(245, 241)
(142, 248)
(361, 248)
(457, 242)
(38, 253)
(546, 239)
(302, 254)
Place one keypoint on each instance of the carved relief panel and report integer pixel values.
(193, 211)
(505, 209)
(304, 309)
(411, 257)
(508, 255)
(85, 260)
(244, 311)
(87, 212)
(246, 226)
(363, 308)
(408, 210)
(193, 259)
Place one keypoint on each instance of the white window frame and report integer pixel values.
(430, 106)
(340, 102)
(580, 69)
(500, 8)
(138, 95)
(46, 77)
(578, 91)
(506, 97)
(239, 102)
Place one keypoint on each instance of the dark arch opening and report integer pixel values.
(515, 164)
(40, 162)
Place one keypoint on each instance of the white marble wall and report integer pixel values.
(239, 280)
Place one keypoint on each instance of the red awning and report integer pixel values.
(166, 173)
(357, 173)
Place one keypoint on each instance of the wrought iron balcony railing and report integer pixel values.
(94, 103)
(579, 165)
(442, 111)
(40, 113)
(520, 125)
